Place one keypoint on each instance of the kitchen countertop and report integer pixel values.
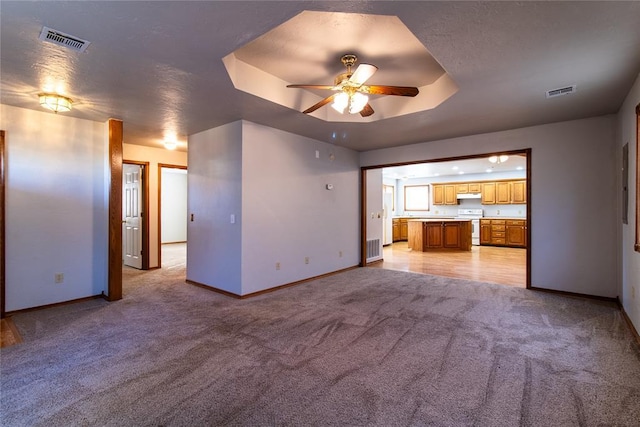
(441, 219)
(517, 218)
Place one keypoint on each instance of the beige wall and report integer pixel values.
(154, 156)
(629, 261)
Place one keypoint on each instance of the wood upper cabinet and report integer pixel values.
(438, 194)
(489, 193)
(519, 192)
(492, 192)
(503, 193)
(450, 195)
(475, 187)
(444, 194)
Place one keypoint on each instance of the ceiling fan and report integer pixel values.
(352, 93)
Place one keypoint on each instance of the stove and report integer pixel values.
(474, 215)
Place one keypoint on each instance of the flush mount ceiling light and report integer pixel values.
(499, 159)
(55, 103)
(170, 145)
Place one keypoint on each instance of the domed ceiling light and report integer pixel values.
(55, 103)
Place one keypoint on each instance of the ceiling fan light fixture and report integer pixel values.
(358, 101)
(499, 159)
(353, 104)
(340, 102)
(55, 103)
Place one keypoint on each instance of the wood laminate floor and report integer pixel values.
(504, 266)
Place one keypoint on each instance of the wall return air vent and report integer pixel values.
(62, 39)
(562, 91)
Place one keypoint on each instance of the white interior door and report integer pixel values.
(132, 215)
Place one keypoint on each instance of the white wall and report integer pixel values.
(452, 210)
(375, 210)
(573, 203)
(288, 213)
(629, 259)
(154, 156)
(214, 194)
(56, 207)
(173, 207)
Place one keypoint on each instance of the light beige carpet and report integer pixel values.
(365, 347)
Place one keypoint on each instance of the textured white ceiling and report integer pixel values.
(158, 65)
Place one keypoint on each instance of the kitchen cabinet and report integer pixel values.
(488, 193)
(503, 232)
(400, 229)
(503, 193)
(444, 194)
(516, 233)
(432, 235)
(475, 187)
(468, 188)
(519, 192)
(395, 223)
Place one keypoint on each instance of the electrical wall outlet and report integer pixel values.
(277, 266)
(340, 254)
(58, 278)
(306, 260)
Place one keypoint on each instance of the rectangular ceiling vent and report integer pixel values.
(62, 39)
(562, 91)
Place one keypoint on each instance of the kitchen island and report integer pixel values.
(439, 234)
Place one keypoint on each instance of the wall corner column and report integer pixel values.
(115, 210)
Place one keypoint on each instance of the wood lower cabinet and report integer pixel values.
(504, 232)
(432, 235)
(516, 233)
(400, 229)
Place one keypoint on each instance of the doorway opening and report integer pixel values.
(172, 216)
(135, 218)
(497, 191)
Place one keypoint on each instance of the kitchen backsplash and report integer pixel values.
(510, 211)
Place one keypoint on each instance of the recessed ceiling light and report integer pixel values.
(461, 173)
(519, 168)
(436, 174)
(455, 168)
(489, 170)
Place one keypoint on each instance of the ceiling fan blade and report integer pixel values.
(314, 107)
(362, 74)
(391, 90)
(366, 111)
(327, 87)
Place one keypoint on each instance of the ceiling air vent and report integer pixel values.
(62, 39)
(562, 91)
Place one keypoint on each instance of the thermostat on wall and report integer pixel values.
(329, 186)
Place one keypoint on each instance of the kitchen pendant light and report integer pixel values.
(55, 103)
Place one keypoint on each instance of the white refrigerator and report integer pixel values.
(387, 226)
